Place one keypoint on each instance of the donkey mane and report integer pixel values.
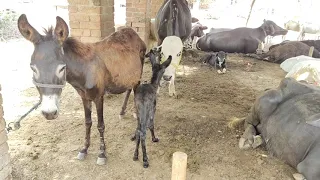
(83, 50)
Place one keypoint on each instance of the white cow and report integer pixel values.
(171, 45)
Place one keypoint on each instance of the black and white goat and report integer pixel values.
(145, 97)
(216, 59)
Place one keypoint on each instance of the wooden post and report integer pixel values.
(311, 51)
(179, 166)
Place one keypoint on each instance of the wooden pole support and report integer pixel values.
(179, 166)
(311, 51)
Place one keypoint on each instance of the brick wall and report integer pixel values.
(139, 13)
(91, 20)
(155, 6)
(5, 167)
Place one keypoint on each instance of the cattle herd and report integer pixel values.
(286, 120)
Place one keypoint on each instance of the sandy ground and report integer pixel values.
(195, 122)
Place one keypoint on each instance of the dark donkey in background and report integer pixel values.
(112, 65)
(173, 19)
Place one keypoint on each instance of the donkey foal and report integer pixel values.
(145, 97)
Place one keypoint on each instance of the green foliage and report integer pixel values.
(8, 25)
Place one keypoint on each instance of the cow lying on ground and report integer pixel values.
(216, 30)
(240, 40)
(288, 120)
(314, 43)
(287, 50)
(216, 60)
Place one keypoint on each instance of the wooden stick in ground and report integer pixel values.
(311, 51)
(179, 166)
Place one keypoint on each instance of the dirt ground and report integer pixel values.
(194, 122)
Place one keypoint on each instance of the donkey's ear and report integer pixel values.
(167, 62)
(27, 31)
(61, 30)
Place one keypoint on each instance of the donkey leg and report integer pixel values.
(102, 156)
(124, 105)
(87, 105)
(134, 114)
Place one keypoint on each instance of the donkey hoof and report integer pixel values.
(145, 164)
(135, 158)
(219, 72)
(155, 139)
(81, 156)
(121, 117)
(101, 161)
(133, 138)
(134, 115)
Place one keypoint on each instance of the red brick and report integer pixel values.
(72, 9)
(78, 17)
(74, 24)
(76, 32)
(138, 24)
(95, 18)
(129, 4)
(90, 39)
(90, 25)
(89, 9)
(95, 33)
(86, 32)
(79, 2)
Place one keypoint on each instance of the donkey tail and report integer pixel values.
(235, 122)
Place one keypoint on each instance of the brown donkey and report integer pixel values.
(112, 65)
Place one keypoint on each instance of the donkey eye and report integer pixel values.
(179, 54)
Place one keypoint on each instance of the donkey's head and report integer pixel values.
(49, 69)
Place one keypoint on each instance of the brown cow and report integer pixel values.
(285, 51)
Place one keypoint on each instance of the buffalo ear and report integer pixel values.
(203, 27)
(193, 20)
(27, 31)
(61, 30)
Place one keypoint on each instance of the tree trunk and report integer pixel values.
(253, 1)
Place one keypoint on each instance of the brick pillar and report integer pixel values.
(91, 20)
(138, 16)
(155, 6)
(5, 167)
